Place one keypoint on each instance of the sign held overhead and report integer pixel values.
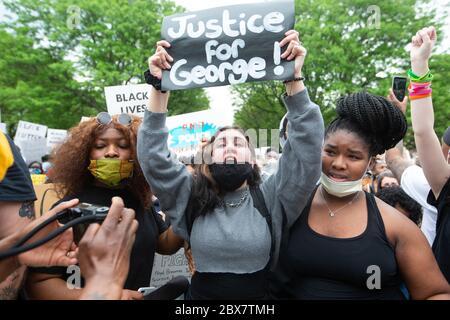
(228, 45)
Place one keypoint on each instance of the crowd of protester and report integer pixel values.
(333, 209)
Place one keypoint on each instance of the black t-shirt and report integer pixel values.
(151, 225)
(17, 185)
(441, 244)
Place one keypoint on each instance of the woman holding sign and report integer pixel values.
(233, 223)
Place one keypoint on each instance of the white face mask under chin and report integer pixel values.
(340, 189)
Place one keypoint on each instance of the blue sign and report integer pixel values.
(190, 136)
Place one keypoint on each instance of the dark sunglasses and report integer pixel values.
(105, 118)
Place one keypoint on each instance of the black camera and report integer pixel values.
(92, 213)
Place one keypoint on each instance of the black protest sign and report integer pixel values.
(228, 45)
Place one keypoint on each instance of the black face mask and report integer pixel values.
(229, 177)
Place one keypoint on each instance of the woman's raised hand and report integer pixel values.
(159, 61)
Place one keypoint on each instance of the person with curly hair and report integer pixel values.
(386, 179)
(97, 162)
(396, 197)
(347, 244)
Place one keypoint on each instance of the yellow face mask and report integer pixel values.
(6, 156)
(111, 171)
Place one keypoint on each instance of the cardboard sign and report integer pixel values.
(46, 197)
(131, 99)
(167, 267)
(30, 138)
(38, 179)
(55, 137)
(228, 45)
(29, 131)
(32, 150)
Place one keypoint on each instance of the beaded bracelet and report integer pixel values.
(295, 79)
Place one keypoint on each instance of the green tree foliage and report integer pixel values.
(37, 86)
(347, 47)
(102, 43)
(440, 65)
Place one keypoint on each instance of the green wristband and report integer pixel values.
(415, 78)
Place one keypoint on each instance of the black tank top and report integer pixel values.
(226, 286)
(325, 268)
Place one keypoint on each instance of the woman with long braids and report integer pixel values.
(233, 224)
(347, 244)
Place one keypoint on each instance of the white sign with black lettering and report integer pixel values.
(131, 99)
(55, 137)
(228, 45)
(33, 150)
(167, 267)
(29, 131)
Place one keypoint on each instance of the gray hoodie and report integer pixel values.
(237, 239)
